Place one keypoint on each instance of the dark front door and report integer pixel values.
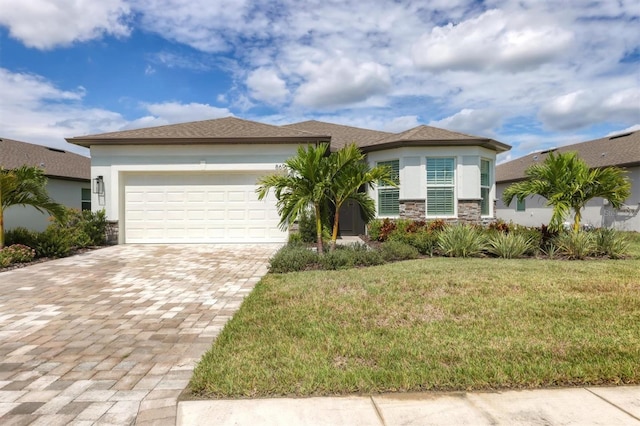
(351, 222)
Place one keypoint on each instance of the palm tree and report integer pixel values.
(25, 186)
(567, 182)
(350, 173)
(306, 182)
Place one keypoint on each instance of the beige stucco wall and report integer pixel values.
(596, 213)
(66, 192)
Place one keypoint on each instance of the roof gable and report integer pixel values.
(341, 135)
(54, 162)
(621, 150)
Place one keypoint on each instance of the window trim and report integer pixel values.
(487, 187)
(453, 186)
(387, 188)
(84, 200)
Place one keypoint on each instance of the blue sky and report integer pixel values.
(531, 73)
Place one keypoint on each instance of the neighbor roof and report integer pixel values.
(55, 162)
(622, 150)
(340, 135)
(433, 136)
(221, 130)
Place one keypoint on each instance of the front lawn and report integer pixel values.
(431, 324)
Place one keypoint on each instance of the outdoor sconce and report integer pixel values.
(98, 185)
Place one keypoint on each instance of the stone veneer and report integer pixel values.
(469, 211)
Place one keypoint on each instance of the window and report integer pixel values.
(521, 205)
(86, 199)
(388, 196)
(485, 186)
(440, 186)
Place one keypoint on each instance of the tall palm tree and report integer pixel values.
(306, 182)
(350, 173)
(25, 186)
(567, 183)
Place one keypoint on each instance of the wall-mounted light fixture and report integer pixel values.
(98, 185)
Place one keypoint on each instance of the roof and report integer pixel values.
(433, 136)
(340, 135)
(236, 130)
(622, 150)
(220, 130)
(55, 162)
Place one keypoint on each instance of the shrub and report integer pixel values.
(576, 245)
(307, 226)
(22, 236)
(424, 241)
(295, 238)
(94, 225)
(374, 229)
(337, 259)
(292, 258)
(386, 229)
(437, 225)
(16, 253)
(461, 241)
(532, 234)
(610, 242)
(500, 226)
(397, 250)
(56, 241)
(509, 246)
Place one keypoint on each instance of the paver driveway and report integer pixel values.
(111, 336)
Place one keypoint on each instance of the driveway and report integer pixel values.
(112, 336)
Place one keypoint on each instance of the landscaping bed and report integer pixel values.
(432, 324)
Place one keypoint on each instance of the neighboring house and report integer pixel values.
(68, 182)
(195, 182)
(621, 150)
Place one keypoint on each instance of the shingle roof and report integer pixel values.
(340, 135)
(433, 136)
(621, 150)
(221, 130)
(54, 162)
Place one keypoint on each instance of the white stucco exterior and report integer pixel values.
(413, 174)
(118, 163)
(65, 192)
(597, 213)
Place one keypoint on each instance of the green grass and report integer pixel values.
(431, 324)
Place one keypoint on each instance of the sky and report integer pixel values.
(534, 74)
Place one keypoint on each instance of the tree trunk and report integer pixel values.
(576, 219)
(318, 230)
(334, 234)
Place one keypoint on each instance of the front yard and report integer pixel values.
(432, 324)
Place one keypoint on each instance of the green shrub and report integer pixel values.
(374, 229)
(362, 254)
(461, 241)
(532, 234)
(397, 250)
(424, 241)
(509, 246)
(337, 259)
(610, 242)
(307, 226)
(56, 241)
(294, 238)
(94, 225)
(576, 245)
(292, 258)
(20, 235)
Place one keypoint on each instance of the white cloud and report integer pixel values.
(341, 81)
(401, 124)
(586, 107)
(265, 85)
(176, 112)
(45, 24)
(475, 122)
(633, 128)
(492, 41)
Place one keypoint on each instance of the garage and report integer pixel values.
(193, 207)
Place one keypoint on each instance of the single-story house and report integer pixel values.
(68, 181)
(195, 182)
(622, 150)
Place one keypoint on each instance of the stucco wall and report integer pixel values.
(413, 175)
(66, 192)
(596, 213)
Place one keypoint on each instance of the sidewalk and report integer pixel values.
(572, 406)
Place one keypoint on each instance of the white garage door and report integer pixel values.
(198, 208)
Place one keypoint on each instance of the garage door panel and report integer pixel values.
(198, 207)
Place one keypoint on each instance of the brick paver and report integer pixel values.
(112, 336)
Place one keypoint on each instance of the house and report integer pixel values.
(68, 180)
(622, 150)
(195, 182)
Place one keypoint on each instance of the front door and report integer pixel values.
(351, 222)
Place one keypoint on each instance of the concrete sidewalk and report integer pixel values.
(574, 406)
